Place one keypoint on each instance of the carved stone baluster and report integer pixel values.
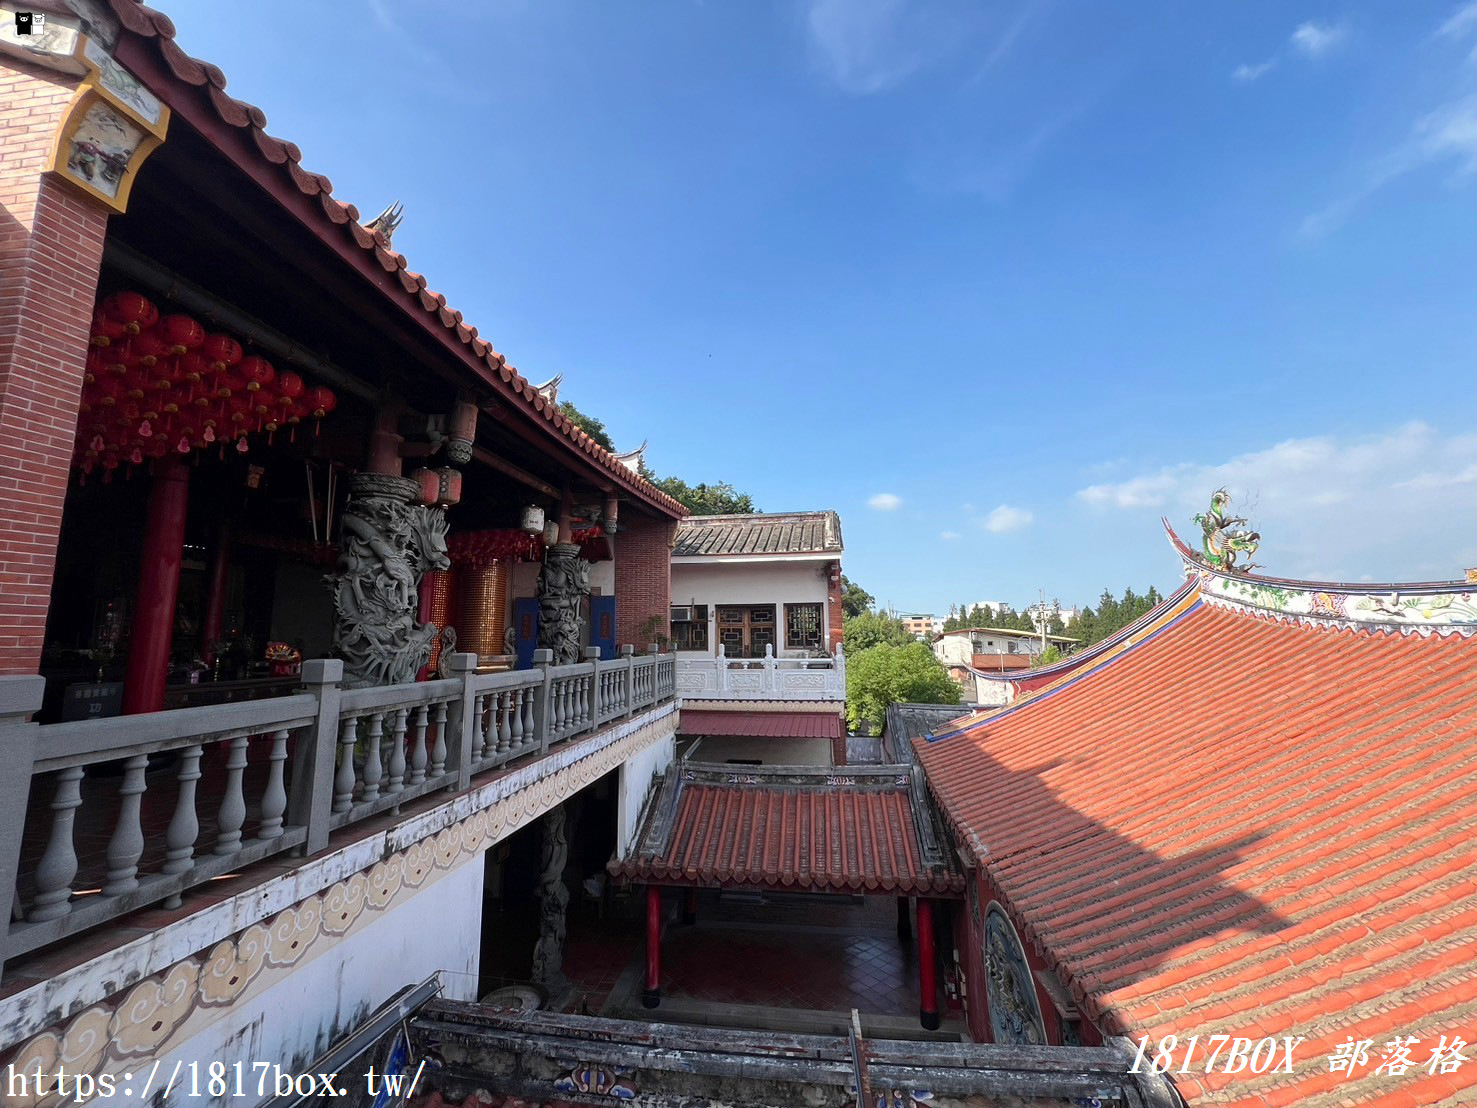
(515, 718)
(397, 751)
(438, 748)
(529, 695)
(343, 781)
(373, 768)
(581, 701)
(126, 846)
(184, 825)
(274, 798)
(561, 706)
(418, 745)
(58, 864)
(504, 724)
(233, 804)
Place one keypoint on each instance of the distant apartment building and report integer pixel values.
(922, 626)
(973, 650)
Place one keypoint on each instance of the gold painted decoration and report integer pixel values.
(112, 125)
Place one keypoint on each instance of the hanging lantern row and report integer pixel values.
(475, 548)
(157, 385)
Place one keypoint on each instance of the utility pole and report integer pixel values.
(1041, 614)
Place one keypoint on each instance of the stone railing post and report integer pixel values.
(543, 658)
(628, 652)
(592, 659)
(722, 674)
(19, 698)
(771, 664)
(461, 720)
(311, 803)
(838, 672)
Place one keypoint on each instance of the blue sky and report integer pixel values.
(1001, 283)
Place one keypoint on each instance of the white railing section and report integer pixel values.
(767, 678)
(278, 775)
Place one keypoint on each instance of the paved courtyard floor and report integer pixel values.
(793, 963)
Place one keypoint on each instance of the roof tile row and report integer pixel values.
(151, 24)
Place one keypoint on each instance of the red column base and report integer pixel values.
(651, 998)
(928, 1002)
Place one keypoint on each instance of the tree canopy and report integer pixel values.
(854, 599)
(1112, 614)
(869, 629)
(892, 674)
(704, 500)
(588, 424)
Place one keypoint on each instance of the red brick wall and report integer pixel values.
(51, 241)
(836, 613)
(643, 577)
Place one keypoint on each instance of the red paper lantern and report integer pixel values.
(228, 385)
(121, 357)
(105, 330)
(221, 351)
(180, 333)
(147, 347)
(132, 310)
(321, 401)
(257, 372)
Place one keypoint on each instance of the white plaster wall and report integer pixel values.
(765, 750)
(602, 578)
(522, 581)
(293, 1022)
(953, 650)
(777, 583)
(636, 776)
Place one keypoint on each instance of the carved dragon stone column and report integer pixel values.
(388, 541)
(553, 894)
(561, 590)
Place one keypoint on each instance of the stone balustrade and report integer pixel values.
(102, 817)
(767, 678)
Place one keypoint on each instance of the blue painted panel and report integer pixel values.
(525, 629)
(602, 625)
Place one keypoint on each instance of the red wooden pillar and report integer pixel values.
(158, 588)
(928, 991)
(215, 596)
(689, 908)
(651, 996)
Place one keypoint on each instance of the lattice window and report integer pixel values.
(745, 630)
(803, 627)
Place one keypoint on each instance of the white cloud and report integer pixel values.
(885, 502)
(1449, 132)
(1462, 20)
(1398, 502)
(1316, 40)
(870, 46)
(1248, 73)
(950, 536)
(1005, 519)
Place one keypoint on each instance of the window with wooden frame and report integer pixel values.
(803, 629)
(746, 629)
(690, 627)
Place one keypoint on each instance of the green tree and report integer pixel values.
(854, 599)
(704, 500)
(588, 424)
(887, 674)
(1048, 657)
(862, 632)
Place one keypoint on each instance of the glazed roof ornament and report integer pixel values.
(385, 223)
(1225, 538)
(549, 390)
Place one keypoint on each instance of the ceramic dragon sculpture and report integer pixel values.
(387, 542)
(1226, 538)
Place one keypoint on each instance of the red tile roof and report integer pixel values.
(342, 220)
(1246, 825)
(769, 725)
(852, 829)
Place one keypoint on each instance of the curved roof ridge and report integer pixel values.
(144, 22)
(1421, 607)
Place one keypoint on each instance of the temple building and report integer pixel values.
(1248, 814)
(756, 626)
